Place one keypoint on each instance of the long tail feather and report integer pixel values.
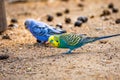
(93, 39)
(103, 37)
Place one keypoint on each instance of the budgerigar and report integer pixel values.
(73, 41)
(41, 31)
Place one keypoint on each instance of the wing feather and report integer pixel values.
(71, 39)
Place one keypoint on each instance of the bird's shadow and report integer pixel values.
(59, 54)
(62, 55)
(75, 53)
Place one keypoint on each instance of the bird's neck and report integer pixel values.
(62, 44)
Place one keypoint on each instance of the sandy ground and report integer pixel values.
(31, 61)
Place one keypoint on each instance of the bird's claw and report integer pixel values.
(40, 42)
(68, 52)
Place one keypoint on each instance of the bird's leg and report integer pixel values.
(82, 48)
(68, 52)
(40, 42)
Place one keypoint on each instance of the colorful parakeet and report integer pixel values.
(73, 41)
(41, 31)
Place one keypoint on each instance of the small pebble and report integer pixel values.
(98, 29)
(13, 25)
(29, 69)
(80, 5)
(104, 18)
(65, 0)
(4, 56)
(105, 13)
(67, 20)
(6, 37)
(10, 25)
(83, 19)
(117, 21)
(82, 0)
(49, 18)
(25, 13)
(115, 10)
(78, 23)
(17, 1)
(103, 42)
(59, 14)
(92, 16)
(53, 60)
(67, 11)
(59, 25)
(111, 5)
(110, 57)
(14, 20)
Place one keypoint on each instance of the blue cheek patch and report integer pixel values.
(51, 41)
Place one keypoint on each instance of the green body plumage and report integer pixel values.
(73, 41)
(69, 40)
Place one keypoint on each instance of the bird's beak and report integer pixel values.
(47, 43)
(25, 24)
(26, 27)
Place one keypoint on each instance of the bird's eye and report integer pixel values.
(56, 40)
(25, 24)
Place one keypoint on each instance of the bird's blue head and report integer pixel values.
(29, 23)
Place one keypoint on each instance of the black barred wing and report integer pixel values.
(71, 39)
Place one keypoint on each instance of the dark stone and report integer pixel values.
(83, 19)
(65, 0)
(6, 37)
(4, 56)
(105, 13)
(80, 5)
(67, 20)
(103, 42)
(59, 25)
(67, 11)
(14, 20)
(117, 21)
(17, 1)
(111, 6)
(11, 25)
(92, 16)
(115, 10)
(59, 14)
(78, 23)
(104, 18)
(49, 18)
(82, 0)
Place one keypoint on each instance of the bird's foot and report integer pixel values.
(40, 42)
(68, 52)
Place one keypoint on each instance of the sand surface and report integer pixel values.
(30, 61)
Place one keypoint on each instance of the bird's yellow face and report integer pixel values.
(54, 41)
